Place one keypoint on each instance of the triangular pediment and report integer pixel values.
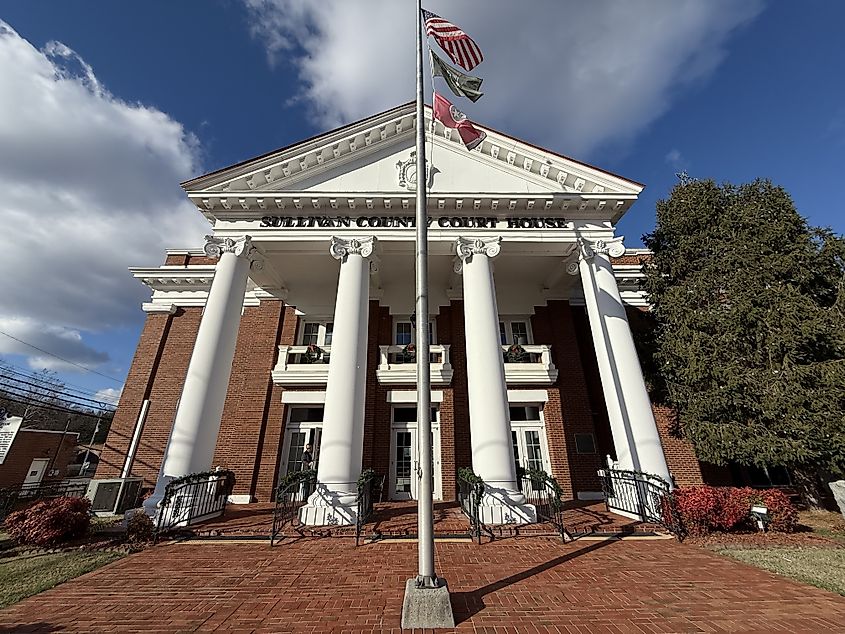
(373, 156)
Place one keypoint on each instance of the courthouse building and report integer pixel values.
(294, 324)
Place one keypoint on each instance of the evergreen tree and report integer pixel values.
(750, 342)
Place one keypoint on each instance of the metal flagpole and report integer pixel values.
(426, 576)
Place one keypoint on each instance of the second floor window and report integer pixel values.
(317, 333)
(514, 331)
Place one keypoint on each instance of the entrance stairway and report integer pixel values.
(398, 520)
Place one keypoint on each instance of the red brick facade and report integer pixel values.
(252, 430)
(57, 448)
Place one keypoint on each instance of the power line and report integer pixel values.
(54, 408)
(55, 392)
(110, 378)
(16, 370)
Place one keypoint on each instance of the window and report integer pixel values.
(515, 331)
(521, 413)
(408, 414)
(316, 333)
(404, 333)
(585, 443)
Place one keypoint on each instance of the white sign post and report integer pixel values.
(8, 430)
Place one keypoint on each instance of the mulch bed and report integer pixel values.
(764, 540)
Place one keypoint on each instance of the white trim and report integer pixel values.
(303, 398)
(528, 396)
(410, 396)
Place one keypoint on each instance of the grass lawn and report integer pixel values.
(820, 567)
(27, 574)
(814, 555)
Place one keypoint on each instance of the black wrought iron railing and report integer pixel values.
(470, 493)
(12, 498)
(369, 485)
(192, 499)
(291, 493)
(642, 495)
(543, 492)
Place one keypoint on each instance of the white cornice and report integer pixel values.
(269, 182)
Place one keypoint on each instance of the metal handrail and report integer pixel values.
(470, 492)
(543, 492)
(291, 493)
(9, 497)
(365, 501)
(193, 498)
(643, 495)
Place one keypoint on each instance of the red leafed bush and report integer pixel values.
(50, 521)
(697, 508)
(704, 509)
(784, 517)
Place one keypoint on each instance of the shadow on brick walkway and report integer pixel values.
(515, 585)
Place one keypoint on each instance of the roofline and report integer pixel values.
(188, 183)
(559, 155)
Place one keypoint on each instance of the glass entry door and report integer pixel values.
(528, 433)
(305, 427)
(404, 454)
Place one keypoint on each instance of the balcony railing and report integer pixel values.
(297, 365)
(532, 364)
(397, 366)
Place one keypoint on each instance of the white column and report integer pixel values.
(632, 424)
(342, 440)
(489, 417)
(193, 437)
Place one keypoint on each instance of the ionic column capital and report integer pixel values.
(215, 247)
(465, 248)
(587, 250)
(342, 247)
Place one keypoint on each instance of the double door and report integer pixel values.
(296, 439)
(403, 481)
(530, 450)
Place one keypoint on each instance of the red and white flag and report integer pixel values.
(458, 45)
(451, 117)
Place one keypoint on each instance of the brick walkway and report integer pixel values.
(525, 584)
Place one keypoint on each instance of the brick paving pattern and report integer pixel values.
(512, 585)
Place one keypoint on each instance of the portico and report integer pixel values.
(522, 241)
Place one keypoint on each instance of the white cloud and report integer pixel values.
(570, 76)
(675, 160)
(58, 340)
(90, 187)
(109, 395)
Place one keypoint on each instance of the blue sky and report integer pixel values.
(105, 107)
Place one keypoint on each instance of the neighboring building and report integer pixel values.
(35, 456)
(300, 307)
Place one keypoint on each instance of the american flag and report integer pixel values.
(458, 45)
